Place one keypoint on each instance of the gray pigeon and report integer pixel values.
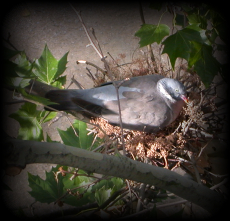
(148, 103)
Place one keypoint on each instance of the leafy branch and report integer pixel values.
(195, 41)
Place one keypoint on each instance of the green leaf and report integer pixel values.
(8, 53)
(195, 54)
(219, 24)
(80, 196)
(48, 115)
(83, 140)
(19, 82)
(41, 190)
(186, 7)
(59, 82)
(56, 185)
(17, 71)
(106, 183)
(180, 20)
(38, 99)
(105, 188)
(102, 195)
(192, 33)
(152, 33)
(61, 66)
(77, 180)
(199, 34)
(118, 183)
(197, 19)
(206, 65)
(48, 190)
(24, 67)
(114, 184)
(9, 70)
(28, 118)
(178, 44)
(47, 68)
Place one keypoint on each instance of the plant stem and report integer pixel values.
(150, 51)
(108, 71)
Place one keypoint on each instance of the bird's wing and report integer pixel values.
(139, 114)
(140, 102)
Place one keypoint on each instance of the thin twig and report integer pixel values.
(109, 74)
(135, 215)
(86, 31)
(202, 132)
(14, 102)
(68, 191)
(219, 184)
(202, 149)
(75, 132)
(141, 13)
(77, 83)
(90, 63)
(90, 75)
(119, 105)
(141, 197)
(99, 147)
(189, 122)
(95, 37)
(193, 161)
(50, 108)
(110, 199)
(117, 199)
(128, 185)
(143, 22)
(33, 80)
(8, 42)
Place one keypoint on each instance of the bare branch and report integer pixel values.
(143, 22)
(90, 63)
(86, 31)
(19, 153)
(103, 59)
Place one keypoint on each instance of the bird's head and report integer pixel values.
(172, 89)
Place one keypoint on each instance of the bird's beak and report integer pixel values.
(184, 98)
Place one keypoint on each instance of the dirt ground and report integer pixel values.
(32, 25)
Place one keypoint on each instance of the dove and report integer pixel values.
(148, 103)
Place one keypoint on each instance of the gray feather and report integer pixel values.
(148, 103)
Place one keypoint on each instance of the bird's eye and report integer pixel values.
(176, 90)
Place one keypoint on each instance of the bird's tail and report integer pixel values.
(63, 100)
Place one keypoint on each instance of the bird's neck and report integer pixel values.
(174, 105)
(176, 108)
(164, 94)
